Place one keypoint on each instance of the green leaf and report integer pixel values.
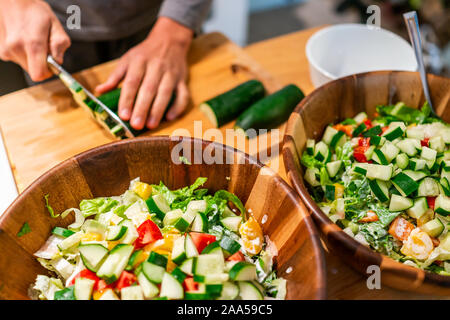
(49, 208)
(311, 162)
(24, 230)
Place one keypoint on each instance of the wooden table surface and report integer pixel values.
(42, 126)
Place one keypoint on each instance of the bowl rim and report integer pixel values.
(360, 26)
(321, 219)
(321, 271)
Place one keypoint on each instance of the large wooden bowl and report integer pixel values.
(107, 171)
(336, 101)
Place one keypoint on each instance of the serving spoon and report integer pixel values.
(412, 24)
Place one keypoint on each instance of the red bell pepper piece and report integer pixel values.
(425, 142)
(87, 274)
(189, 284)
(126, 279)
(238, 256)
(358, 152)
(201, 240)
(431, 201)
(148, 232)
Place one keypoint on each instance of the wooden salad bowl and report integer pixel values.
(107, 171)
(344, 98)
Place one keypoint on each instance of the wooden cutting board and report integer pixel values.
(43, 126)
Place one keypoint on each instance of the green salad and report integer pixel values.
(156, 243)
(386, 182)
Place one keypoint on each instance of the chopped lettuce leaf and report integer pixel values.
(49, 208)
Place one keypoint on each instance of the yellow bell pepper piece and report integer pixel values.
(91, 236)
(252, 236)
(338, 191)
(142, 189)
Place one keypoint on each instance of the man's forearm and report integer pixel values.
(190, 13)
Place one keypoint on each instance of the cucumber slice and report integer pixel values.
(115, 262)
(330, 192)
(333, 168)
(200, 223)
(429, 155)
(92, 255)
(415, 133)
(207, 264)
(419, 208)
(62, 232)
(131, 235)
(359, 129)
(390, 151)
(380, 189)
(93, 226)
(149, 289)
(158, 204)
(417, 164)
(405, 184)
(230, 291)
(310, 143)
(415, 175)
(311, 176)
(70, 242)
(379, 157)
(393, 133)
(375, 171)
(178, 253)
(442, 205)
(179, 274)
(116, 233)
(369, 153)
(377, 141)
(181, 224)
(321, 152)
(402, 161)
(153, 272)
(232, 223)
(360, 117)
(171, 288)
(172, 216)
(189, 247)
(374, 131)
(213, 247)
(338, 140)
(187, 266)
(434, 228)
(243, 271)
(272, 111)
(409, 146)
(360, 168)
(131, 293)
(83, 288)
(399, 203)
(437, 143)
(158, 259)
(227, 106)
(328, 135)
(428, 187)
(229, 245)
(248, 291)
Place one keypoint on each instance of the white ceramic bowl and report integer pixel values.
(345, 49)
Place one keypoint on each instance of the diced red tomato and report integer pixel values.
(358, 152)
(88, 274)
(238, 256)
(368, 123)
(201, 240)
(102, 285)
(364, 142)
(347, 129)
(148, 233)
(431, 201)
(401, 228)
(189, 284)
(371, 216)
(126, 279)
(425, 142)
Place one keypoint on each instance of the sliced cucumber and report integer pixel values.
(131, 293)
(187, 266)
(207, 264)
(158, 204)
(230, 291)
(379, 157)
(149, 289)
(434, 228)
(248, 291)
(243, 271)
(402, 161)
(83, 288)
(62, 232)
(189, 247)
(131, 235)
(311, 176)
(428, 187)
(153, 272)
(417, 164)
(229, 245)
(437, 143)
(321, 152)
(429, 155)
(442, 205)
(310, 143)
(333, 168)
(375, 171)
(390, 151)
(399, 203)
(419, 208)
(227, 106)
(360, 117)
(360, 168)
(115, 262)
(172, 217)
(158, 259)
(178, 252)
(171, 287)
(232, 223)
(109, 294)
(409, 146)
(380, 189)
(405, 184)
(200, 223)
(415, 175)
(70, 242)
(92, 255)
(393, 133)
(116, 233)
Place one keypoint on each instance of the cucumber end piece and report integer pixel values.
(209, 113)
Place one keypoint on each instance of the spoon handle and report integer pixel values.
(412, 25)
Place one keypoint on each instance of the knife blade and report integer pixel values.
(119, 129)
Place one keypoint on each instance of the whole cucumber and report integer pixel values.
(271, 111)
(228, 105)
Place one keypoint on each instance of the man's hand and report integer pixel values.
(29, 31)
(152, 71)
